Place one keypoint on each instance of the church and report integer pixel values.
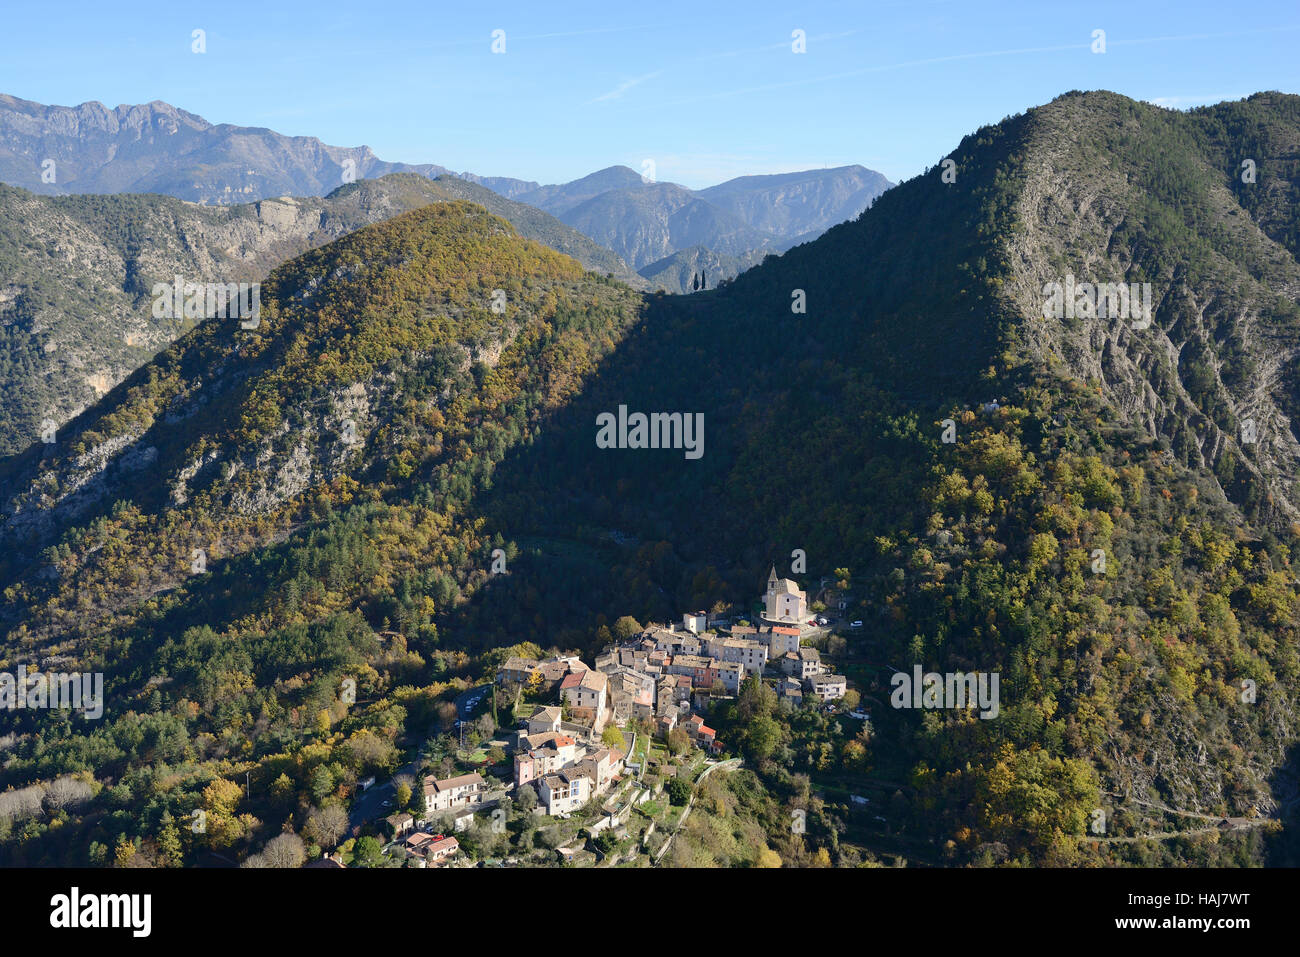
(784, 602)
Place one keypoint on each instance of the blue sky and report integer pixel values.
(707, 90)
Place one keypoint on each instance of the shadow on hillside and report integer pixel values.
(1283, 849)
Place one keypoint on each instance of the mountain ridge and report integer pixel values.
(80, 270)
(1000, 490)
(159, 148)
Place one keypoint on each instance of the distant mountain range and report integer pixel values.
(158, 148)
(738, 221)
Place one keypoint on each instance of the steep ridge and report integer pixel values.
(158, 148)
(1074, 438)
(77, 303)
(829, 379)
(368, 343)
(1219, 359)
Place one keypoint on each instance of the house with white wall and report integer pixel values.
(452, 792)
(564, 792)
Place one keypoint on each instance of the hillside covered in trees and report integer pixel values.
(1098, 532)
(77, 302)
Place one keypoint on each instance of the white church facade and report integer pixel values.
(784, 603)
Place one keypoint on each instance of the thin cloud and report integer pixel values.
(626, 85)
(864, 71)
(1202, 36)
(927, 61)
(766, 48)
(623, 87)
(584, 33)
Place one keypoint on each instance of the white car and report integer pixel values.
(856, 624)
(860, 715)
(823, 621)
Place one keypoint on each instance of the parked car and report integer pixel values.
(823, 621)
(856, 624)
(860, 715)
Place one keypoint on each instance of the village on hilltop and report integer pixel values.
(570, 751)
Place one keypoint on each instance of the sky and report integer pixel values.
(705, 90)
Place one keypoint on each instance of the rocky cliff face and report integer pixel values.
(1213, 376)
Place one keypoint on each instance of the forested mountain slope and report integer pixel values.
(363, 549)
(1074, 438)
(76, 297)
